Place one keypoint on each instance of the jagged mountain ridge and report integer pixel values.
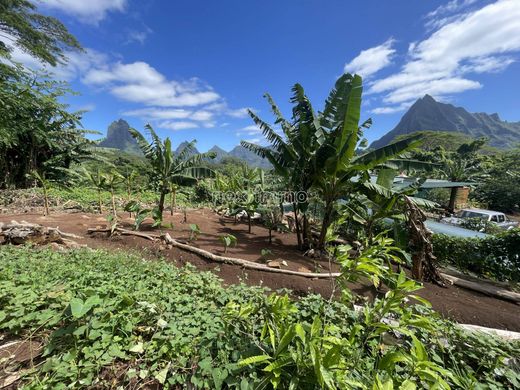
(428, 114)
(118, 137)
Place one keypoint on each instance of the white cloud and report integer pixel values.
(89, 11)
(250, 130)
(372, 60)
(450, 7)
(155, 113)
(238, 113)
(138, 36)
(178, 125)
(476, 42)
(254, 140)
(139, 82)
(392, 109)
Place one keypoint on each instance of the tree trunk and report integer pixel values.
(100, 202)
(307, 237)
(424, 267)
(453, 199)
(114, 211)
(46, 200)
(172, 201)
(160, 206)
(297, 225)
(249, 222)
(270, 236)
(325, 225)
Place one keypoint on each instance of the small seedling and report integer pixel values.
(194, 231)
(228, 240)
(140, 214)
(112, 220)
(265, 253)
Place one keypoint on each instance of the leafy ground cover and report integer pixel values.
(116, 320)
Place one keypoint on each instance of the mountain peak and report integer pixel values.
(181, 147)
(428, 98)
(427, 114)
(119, 137)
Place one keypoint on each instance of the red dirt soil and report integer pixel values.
(459, 304)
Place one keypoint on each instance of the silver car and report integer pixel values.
(500, 219)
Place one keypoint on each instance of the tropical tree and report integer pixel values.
(37, 132)
(169, 168)
(43, 37)
(465, 164)
(292, 151)
(320, 150)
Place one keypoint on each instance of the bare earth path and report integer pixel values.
(459, 304)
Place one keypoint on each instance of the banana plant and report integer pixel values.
(320, 149)
(97, 180)
(45, 185)
(112, 180)
(167, 167)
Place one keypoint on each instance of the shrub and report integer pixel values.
(497, 256)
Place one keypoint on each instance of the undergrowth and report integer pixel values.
(111, 320)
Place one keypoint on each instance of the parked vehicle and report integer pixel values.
(495, 217)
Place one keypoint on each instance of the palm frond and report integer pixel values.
(379, 156)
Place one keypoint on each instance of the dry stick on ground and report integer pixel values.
(423, 260)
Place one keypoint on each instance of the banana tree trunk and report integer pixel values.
(327, 220)
(161, 202)
(114, 210)
(172, 201)
(297, 225)
(46, 200)
(100, 202)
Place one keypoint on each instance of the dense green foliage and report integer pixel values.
(37, 133)
(501, 189)
(43, 37)
(496, 256)
(447, 140)
(106, 319)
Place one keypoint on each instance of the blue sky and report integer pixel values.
(192, 68)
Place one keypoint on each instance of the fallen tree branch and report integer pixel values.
(244, 263)
(484, 288)
(124, 232)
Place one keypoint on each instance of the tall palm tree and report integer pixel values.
(170, 168)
